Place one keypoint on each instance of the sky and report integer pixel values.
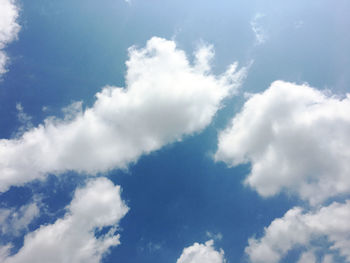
(174, 131)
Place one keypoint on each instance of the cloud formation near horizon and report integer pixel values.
(166, 97)
(9, 29)
(297, 140)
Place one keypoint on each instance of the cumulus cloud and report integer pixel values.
(296, 138)
(166, 97)
(297, 229)
(9, 28)
(202, 253)
(13, 221)
(73, 238)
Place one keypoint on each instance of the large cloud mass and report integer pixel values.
(165, 98)
(296, 138)
(325, 230)
(8, 28)
(72, 238)
(201, 253)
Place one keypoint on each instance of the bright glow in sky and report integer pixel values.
(174, 131)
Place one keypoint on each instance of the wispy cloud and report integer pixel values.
(259, 31)
(299, 24)
(24, 119)
(214, 236)
(13, 221)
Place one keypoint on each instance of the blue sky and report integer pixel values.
(174, 131)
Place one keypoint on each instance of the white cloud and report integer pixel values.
(327, 259)
(165, 99)
(13, 221)
(259, 32)
(203, 57)
(24, 119)
(307, 257)
(202, 253)
(300, 230)
(296, 138)
(72, 238)
(214, 236)
(9, 28)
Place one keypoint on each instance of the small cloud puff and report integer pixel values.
(257, 28)
(202, 253)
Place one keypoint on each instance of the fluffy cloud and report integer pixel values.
(13, 221)
(297, 229)
(296, 138)
(307, 257)
(202, 253)
(166, 98)
(8, 28)
(72, 238)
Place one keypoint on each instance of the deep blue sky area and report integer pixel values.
(178, 194)
(67, 50)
